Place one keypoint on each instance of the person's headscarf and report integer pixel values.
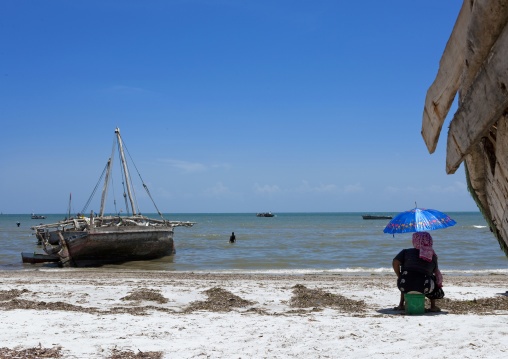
(423, 242)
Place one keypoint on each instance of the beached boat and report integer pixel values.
(266, 214)
(370, 216)
(100, 239)
(36, 216)
(39, 258)
(474, 64)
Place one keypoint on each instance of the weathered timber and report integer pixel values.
(442, 92)
(488, 18)
(478, 133)
(484, 103)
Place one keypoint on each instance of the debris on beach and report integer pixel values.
(11, 294)
(304, 297)
(476, 306)
(15, 303)
(37, 352)
(219, 300)
(146, 294)
(129, 354)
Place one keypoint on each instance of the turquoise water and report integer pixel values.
(287, 243)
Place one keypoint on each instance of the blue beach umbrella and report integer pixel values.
(418, 220)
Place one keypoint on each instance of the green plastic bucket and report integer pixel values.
(415, 303)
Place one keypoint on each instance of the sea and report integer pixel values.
(288, 243)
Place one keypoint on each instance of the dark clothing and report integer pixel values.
(418, 282)
(417, 274)
(232, 239)
(410, 281)
(411, 261)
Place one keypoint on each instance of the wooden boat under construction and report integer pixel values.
(95, 240)
(474, 65)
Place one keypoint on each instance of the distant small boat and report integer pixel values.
(267, 214)
(36, 216)
(369, 216)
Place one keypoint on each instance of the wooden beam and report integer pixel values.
(488, 19)
(441, 93)
(485, 102)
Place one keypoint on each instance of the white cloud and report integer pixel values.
(266, 188)
(188, 167)
(453, 188)
(217, 190)
(353, 188)
(321, 188)
(456, 187)
(226, 166)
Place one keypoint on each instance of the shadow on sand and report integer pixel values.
(393, 311)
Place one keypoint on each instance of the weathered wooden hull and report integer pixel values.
(50, 236)
(474, 65)
(113, 245)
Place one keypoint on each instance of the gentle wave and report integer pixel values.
(341, 271)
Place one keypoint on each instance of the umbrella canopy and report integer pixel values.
(418, 220)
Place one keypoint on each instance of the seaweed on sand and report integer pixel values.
(129, 354)
(37, 352)
(146, 294)
(304, 297)
(11, 294)
(476, 306)
(219, 300)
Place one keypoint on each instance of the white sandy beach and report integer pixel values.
(94, 314)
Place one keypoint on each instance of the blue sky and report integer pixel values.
(225, 106)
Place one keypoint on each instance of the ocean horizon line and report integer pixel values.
(228, 213)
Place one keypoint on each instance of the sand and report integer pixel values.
(79, 313)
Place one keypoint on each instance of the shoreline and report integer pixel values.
(91, 313)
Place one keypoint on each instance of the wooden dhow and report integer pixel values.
(474, 64)
(101, 239)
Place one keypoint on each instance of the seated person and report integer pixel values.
(417, 270)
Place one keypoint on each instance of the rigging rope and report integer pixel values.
(94, 190)
(143, 182)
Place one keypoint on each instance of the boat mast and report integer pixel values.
(105, 190)
(70, 198)
(106, 181)
(127, 180)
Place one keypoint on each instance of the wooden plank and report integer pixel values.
(29, 257)
(444, 88)
(488, 19)
(483, 104)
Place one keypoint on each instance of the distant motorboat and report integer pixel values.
(370, 216)
(36, 216)
(267, 214)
